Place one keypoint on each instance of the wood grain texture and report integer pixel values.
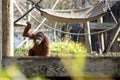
(53, 67)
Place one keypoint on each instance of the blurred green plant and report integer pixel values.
(12, 72)
(76, 62)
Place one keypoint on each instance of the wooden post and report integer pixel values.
(55, 32)
(113, 38)
(7, 28)
(102, 35)
(0, 31)
(88, 37)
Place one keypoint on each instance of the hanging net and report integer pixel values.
(75, 16)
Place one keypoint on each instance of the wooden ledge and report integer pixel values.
(52, 66)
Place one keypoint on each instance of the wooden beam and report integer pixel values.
(113, 38)
(88, 37)
(0, 31)
(7, 28)
(102, 35)
(54, 67)
(102, 41)
(102, 26)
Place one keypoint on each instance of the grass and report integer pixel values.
(66, 48)
(21, 51)
(58, 49)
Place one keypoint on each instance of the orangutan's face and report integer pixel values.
(39, 38)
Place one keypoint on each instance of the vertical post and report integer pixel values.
(102, 41)
(102, 35)
(55, 32)
(88, 37)
(0, 31)
(7, 28)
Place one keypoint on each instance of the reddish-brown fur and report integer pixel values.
(43, 49)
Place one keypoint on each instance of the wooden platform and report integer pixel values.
(52, 66)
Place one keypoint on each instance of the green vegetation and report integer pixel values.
(67, 48)
(64, 48)
(21, 51)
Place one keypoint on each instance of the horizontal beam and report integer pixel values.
(52, 66)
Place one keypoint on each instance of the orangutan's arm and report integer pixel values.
(27, 33)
